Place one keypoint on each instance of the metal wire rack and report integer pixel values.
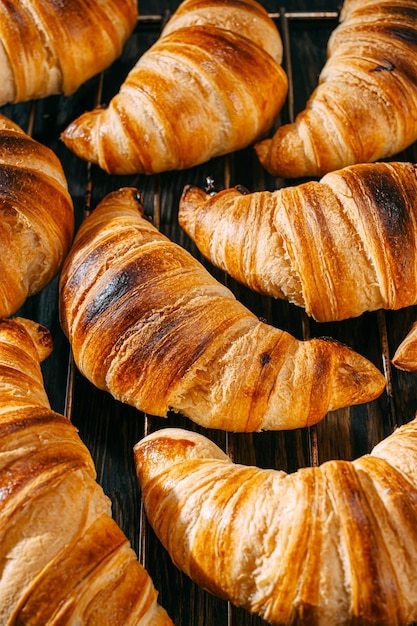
(110, 429)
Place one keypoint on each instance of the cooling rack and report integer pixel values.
(109, 428)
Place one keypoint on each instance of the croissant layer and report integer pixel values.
(364, 106)
(150, 325)
(54, 47)
(405, 356)
(33, 238)
(324, 546)
(337, 247)
(63, 558)
(211, 84)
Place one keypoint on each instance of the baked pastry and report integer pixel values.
(405, 356)
(63, 558)
(151, 326)
(33, 238)
(51, 47)
(211, 84)
(337, 247)
(363, 108)
(324, 546)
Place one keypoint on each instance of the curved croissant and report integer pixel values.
(324, 546)
(63, 559)
(37, 216)
(338, 247)
(210, 85)
(150, 325)
(405, 356)
(54, 47)
(363, 108)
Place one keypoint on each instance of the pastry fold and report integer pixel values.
(37, 216)
(49, 47)
(150, 325)
(364, 106)
(63, 559)
(324, 546)
(211, 84)
(336, 247)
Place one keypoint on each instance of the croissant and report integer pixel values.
(63, 558)
(337, 247)
(49, 47)
(324, 546)
(151, 326)
(405, 356)
(34, 237)
(363, 108)
(211, 84)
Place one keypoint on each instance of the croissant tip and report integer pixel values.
(79, 136)
(36, 337)
(363, 380)
(157, 451)
(401, 362)
(69, 133)
(39, 334)
(191, 200)
(124, 196)
(8, 124)
(262, 150)
(194, 193)
(405, 356)
(169, 446)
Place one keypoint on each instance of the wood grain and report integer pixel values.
(109, 428)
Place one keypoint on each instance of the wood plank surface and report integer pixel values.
(109, 428)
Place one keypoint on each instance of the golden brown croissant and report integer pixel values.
(324, 546)
(37, 216)
(54, 47)
(200, 91)
(363, 108)
(63, 558)
(151, 326)
(338, 247)
(405, 356)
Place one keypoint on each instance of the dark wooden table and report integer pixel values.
(109, 428)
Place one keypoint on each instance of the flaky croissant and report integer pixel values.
(324, 546)
(338, 247)
(63, 558)
(150, 325)
(54, 47)
(405, 356)
(364, 107)
(37, 216)
(210, 85)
